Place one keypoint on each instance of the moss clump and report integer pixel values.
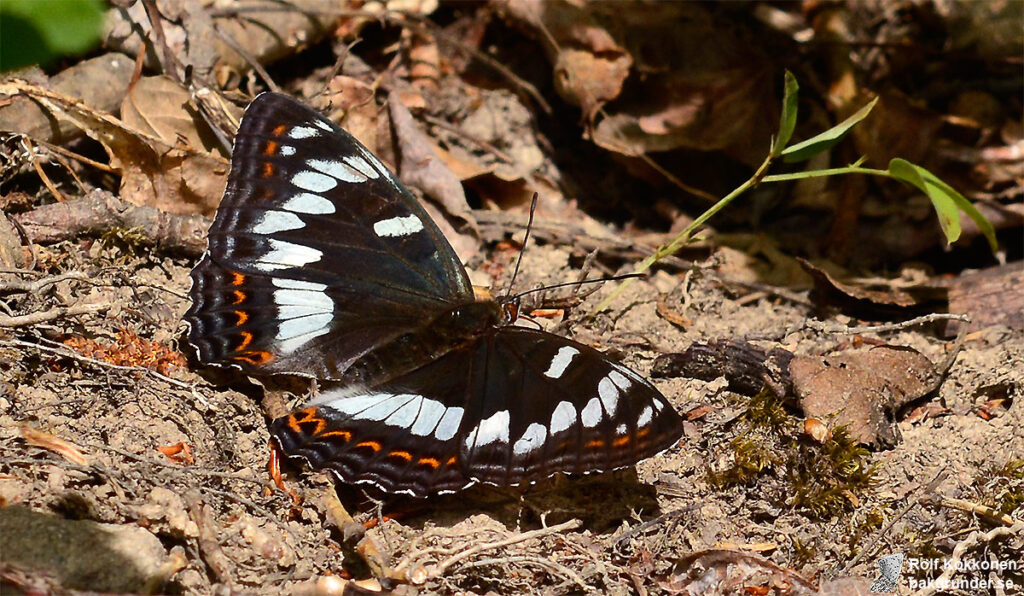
(127, 241)
(794, 471)
(1002, 487)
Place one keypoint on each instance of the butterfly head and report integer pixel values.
(509, 307)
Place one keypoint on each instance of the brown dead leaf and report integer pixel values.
(590, 66)
(180, 452)
(872, 300)
(192, 33)
(863, 389)
(817, 430)
(57, 445)
(704, 87)
(161, 108)
(177, 179)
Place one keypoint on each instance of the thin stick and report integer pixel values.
(443, 566)
(253, 62)
(953, 563)
(34, 158)
(79, 158)
(69, 353)
(31, 287)
(982, 510)
(55, 313)
(930, 318)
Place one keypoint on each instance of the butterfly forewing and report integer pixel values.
(317, 254)
(512, 407)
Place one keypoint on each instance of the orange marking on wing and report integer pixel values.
(429, 461)
(246, 340)
(620, 441)
(594, 443)
(268, 169)
(401, 454)
(451, 461)
(371, 444)
(307, 416)
(237, 278)
(279, 130)
(643, 432)
(242, 317)
(270, 148)
(256, 357)
(344, 434)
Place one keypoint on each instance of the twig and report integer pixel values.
(975, 508)
(440, 569)
(671, 515)
(546, 564)
(170, 64)
(929, 318)
(248, 57)
(953, 563)
(870, 548)
(69, 353)
(31, 287)
(55, 313)
(34, 159)
(79, 158)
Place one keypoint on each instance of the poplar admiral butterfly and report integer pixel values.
(321, 264)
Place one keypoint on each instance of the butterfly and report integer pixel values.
(321, 263)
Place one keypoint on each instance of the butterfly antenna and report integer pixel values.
(580, 283)
(519, 261)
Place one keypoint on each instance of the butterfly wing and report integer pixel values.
(317, 254)
(512, 407)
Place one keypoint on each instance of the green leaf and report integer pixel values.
(821, 142)
(39, 32)
(787, 122)
(947, 201)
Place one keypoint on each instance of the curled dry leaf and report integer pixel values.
(705, 87)
(590, 66)
(863, 389)
(177, 179)
(161, 108)
(57, 445)
(180, 452)
(817, 430)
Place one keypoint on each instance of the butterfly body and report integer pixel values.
(320, 263)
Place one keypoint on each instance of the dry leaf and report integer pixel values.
(161, 108)
(59, 446)
(175, 179)
(863, 389)
(817, 430)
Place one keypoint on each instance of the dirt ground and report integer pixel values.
(126, 466)
(221, 523)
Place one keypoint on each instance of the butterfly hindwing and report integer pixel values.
(512, 407)
(317, 254)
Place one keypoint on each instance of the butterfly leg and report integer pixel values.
(274, 469)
